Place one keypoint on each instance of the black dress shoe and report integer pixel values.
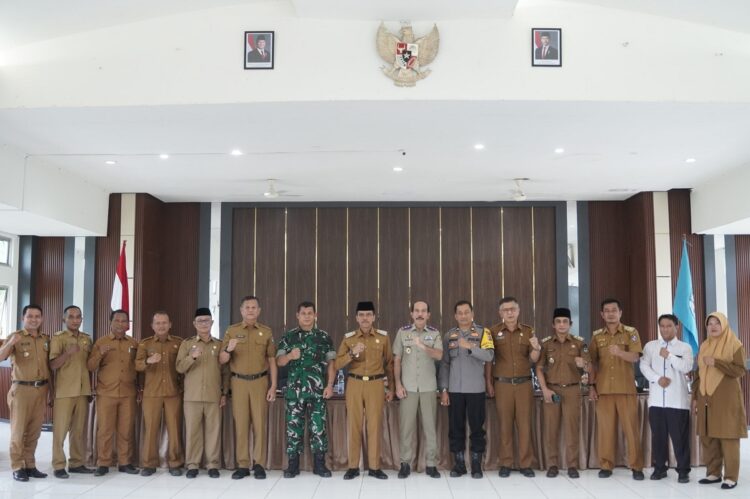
(80, 469)
(35, 473)
(707, 481)
(101, 470)
(638, 475)
(128, 468)
(432, 472)
(240, 473)
(377, 474)
(405, 470)
(573, 473)
(61, 473)
(213, 473)
(683, 478)
(148, 471)
(658, 475)
(552, 471)
(504, 472)
(605, 473)
(192, 473)
(258, 472)
(351, 473)
(727, 486)
(175, 471)
(528, 472)
(20, 475)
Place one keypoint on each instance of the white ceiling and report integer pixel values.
(346, 151)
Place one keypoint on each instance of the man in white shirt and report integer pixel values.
(665, 362)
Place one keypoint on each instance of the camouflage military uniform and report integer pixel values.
(305, 383)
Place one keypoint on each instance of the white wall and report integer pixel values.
(721, 205)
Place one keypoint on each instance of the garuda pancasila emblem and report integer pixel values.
(406, 56)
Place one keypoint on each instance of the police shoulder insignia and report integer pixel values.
(430, 328)
(380, 331)
(350, 334)
(407, 327)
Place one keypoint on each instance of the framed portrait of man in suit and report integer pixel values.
(259, 49)
(546, 47)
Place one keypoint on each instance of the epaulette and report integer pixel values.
(350, 334)
(526, 325)
(380, 331)
(59, 333)
(598, 331)
(408, 326)
(262, 326)
(628, 329)
(545, 340)
(430, 328)
(150, 338)
(578, 337)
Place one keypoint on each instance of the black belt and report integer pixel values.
(367, 378)
(249, 377)
(513, 381)
(565, 385)
(32, 383)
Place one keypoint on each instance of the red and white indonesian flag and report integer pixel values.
(120, 300)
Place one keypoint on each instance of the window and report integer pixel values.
(4, 311)
(4, 251)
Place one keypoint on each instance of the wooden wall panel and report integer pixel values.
(680, 224)
(488, 271)
(742, 258)
(331, 295)
(394, 269)
(639, 227)
(147, 280)
(455, 263)
(269, 267)
(300, 260)
(545, 299)
(243, 259)
(363, 260)
(49, 277)
(107, 254)
(518, 259)
(425, 261)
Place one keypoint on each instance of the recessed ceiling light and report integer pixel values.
(110, 162)
(398, 169)
(236, 152)
(478, 147)
(690, 160)
(559, 150)
(164, 156)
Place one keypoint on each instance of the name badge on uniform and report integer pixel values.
(500, 335)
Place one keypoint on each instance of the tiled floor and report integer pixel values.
(162, 485)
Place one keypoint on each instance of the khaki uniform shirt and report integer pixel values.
(512, 350)
(72, 379)
(161, 378)
(559, 359)
(29, 357)
(254, 347)
(376, 358)
(613, 374)
(115, 370)
(206, 380)
(418, 370)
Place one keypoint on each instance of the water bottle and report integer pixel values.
(338, 388)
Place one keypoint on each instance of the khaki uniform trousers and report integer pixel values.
(69, 418)
(718, 451)
(153, 408)
(609, 408)
(115, 416)
(515, 403)
(249, 406)
(568, 413)
(426, 404)
(365, 399)
(26, 404)
(203, 432)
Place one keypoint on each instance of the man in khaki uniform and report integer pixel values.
(27, 397)
(367, 353)
(162, 391)
(509, 381)
(69, 350)
(563, 361)
(113, 359)
(249, 349)
(415, 350)
(206, 386)
(614, 349)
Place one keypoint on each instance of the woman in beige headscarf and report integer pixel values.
(717, 398)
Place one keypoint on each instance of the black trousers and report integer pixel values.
(669, 423)
(473, 406)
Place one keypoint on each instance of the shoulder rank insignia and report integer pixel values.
(598, 331)
(350, 334)
(545, 340)
(578, 338)
(629, 329)
(430, 328)
(380, 331)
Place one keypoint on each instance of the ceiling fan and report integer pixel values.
(273, 193)
(518, 194)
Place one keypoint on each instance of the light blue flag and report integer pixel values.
(684, 303)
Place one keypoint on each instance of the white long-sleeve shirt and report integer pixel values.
(654, 366)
